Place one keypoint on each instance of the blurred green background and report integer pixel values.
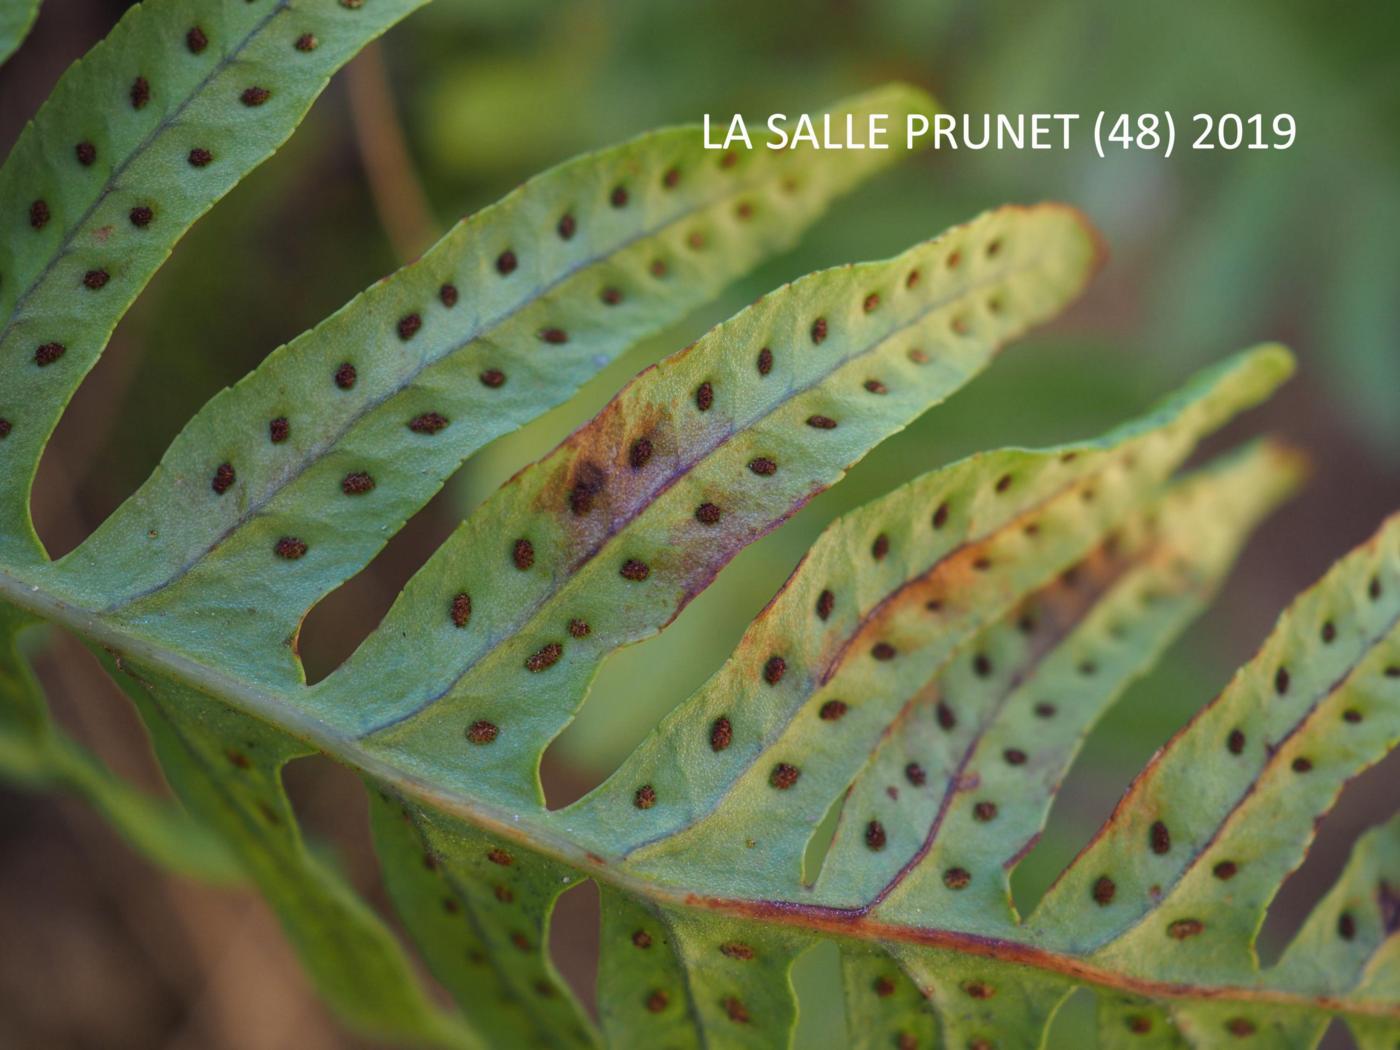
(1210, 251)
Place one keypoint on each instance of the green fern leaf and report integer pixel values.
(921, 684)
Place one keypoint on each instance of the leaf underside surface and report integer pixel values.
(926, 676)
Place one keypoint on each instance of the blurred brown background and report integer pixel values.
(1211, 252)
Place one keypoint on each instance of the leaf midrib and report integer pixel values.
(534, 834)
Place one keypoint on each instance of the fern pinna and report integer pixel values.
(930, 669)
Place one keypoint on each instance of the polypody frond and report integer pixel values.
(925, 677)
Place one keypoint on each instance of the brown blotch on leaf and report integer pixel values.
(39, 214)
(645, 797)
(506, 262)
(140, 93)
(503, 894)
(874, 386)
(763, 466)
(482, 731)
(1181, 929)
(765, 361)
(224, 478)
(1281, 680)
(707, 514)
(554, 336)
(871, 302)
(883, 987)
(427, 423)
(883, 651)
(1003, 483)
(610, 296)
(518, 939)
(1225, 870)
(1329, 633)
(141, 216)
(641, 938)
(695, 239)
(832, 710)
(1351, 715)
(875, 836)
(880, 547)
(634, 570)
(1139, 1025)
(86, 153)
(290, 548)
(704, 396)
(984, 811)
(1239, 1027)
(957, 878)
(914, 773)
(199, 157)
(579, 629)
(493, 378)
(254, 96)
(345, 376)
(912, 279)
(657, 268)
(946, 719)
(819, 330)
(196, 40)
(737, 950)
(1044, 709)
(721, 734)
(826, 601)
(5, 427)
(567, 226)
(447, 295)
(774, 670)
(940, 516)
(919, 357)
(307, 42)
(408, 326)
(821, 422)
(979, 990)
(238, 758)
(783, 776)
(278, 430)
(95, 279)
(1234, 743)
(981, 665)
(1105, 889)
(737, 1011)
(1302, 764)
(906, 1041)
(640, 453)
(1159, 838)
(461, 609)
(356, 483)
(523, 554)
(1014, 756)
(671, 178)
(1374, 588)
(496, 855)
(657, 1001)
(618, 197)
(744, 211)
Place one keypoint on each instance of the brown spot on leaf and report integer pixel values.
(1181, 929)
(645, 797)
(545, 658)
(721, 734)
(737, 950)
(763, 466)
(875, 836)
(826, 601)
(1235, 742)
(506, 262)
(880, 547)
(914, 773)
(307, 42)
(1044, 709)
(427, 423)
(819, 330)
(707, 514)
(1239, 1027)
(199, 157)
(496, 855)
(704, 396)
(639, 455)
(447, 295)
(874, 386)
(821, 422)
(783, 776)
(1281, 680)
(1159, 838)
(461, 609)
(957, 878)
(984, 811)
(567, 226)
(946, 719)
(979, 990)
(657, 1001)
(579, 629)
(39, 214)
(356, 483)
(641, 938)
(940, 516)
(408, 326)
(634, 570)
(1014, 756)
(1225, 870)
(523, 554)
(1346, 926)
(1105, 889)
(86, 153)
(610, 296)
(140, 93)
(774, 670)
(765, 361)
(554, 336)
(832, 710)
(95, 279)
(738, 1013)
(196, 40)
(1302, 764)
(345, 376)
(482, 732)
(883, 651)
(224, 478)
(290, 548)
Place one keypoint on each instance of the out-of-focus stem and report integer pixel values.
(398, 195)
